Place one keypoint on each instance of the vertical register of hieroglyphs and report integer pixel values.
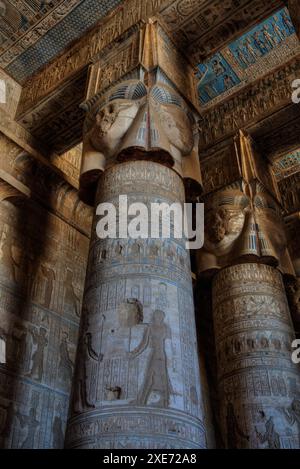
(259, 384)
(137, 381)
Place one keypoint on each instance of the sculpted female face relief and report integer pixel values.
(240, 224)
(132, 116)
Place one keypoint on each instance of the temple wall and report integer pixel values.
(43, 253)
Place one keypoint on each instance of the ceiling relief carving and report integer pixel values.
(261, 49)
(87, 49)
(229, 52)
(32, 32)
(287, 165)
(204, 26)
(251, 105)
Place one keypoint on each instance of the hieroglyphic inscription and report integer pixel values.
(257, 378)
(138, 342)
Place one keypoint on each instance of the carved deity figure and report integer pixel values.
(41, 341)
(292, 414)
(70, 297)
(49, 276)
(156, 379)
(19, 348)
(7, 258)
(90, 356)
(122, 334)
(271, 437)
(66, 365)
(31, 424)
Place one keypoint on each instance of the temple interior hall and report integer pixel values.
(142, 343)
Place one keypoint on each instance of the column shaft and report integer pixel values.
(258, 382)
(137, 383)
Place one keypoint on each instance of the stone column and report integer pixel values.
(245, 252)
(258, 382)
(137, 382)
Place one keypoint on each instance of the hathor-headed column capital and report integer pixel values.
(140, 104)
(243, 218)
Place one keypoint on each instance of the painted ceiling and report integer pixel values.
(287, 165)
(268, 44)
(32, 32)
(230, 44)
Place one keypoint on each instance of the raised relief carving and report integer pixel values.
(250, 105)
(270, 437)
(39, 329)
(292, 414)
(242, 221)
(66, 365)
(40, 340)
(141, 114)
(157, 382)
(256, 376)
(132, 117)
(137, 349)
(84, 52)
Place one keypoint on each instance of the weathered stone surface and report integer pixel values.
(137, 380)
(258, 383)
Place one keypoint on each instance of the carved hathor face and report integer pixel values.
(225, 220)
(173, 118)
(243, 221)
(131, 116)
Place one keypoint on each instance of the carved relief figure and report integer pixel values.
(49, 276)
(134, 116)
(7, 258)
(271, 437)
(110, 121)
(70, 297)
(292, 414)
(157, 379)
(89, 352)
(243, 220)
(40, 339)
(65, 367)
(31, 424)
(120, 352)
(19, 348)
